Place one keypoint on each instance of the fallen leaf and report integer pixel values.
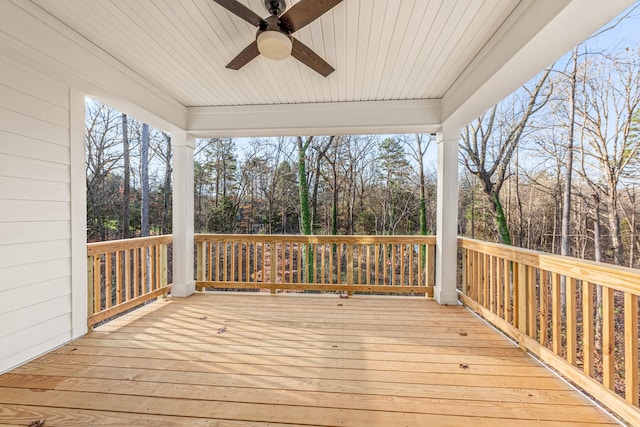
(38, 423)
(203, 318)
(463, 334)
(339, 305)
(222, 330)
(464, 366)
(334, 346)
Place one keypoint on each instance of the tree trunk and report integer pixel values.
(144, 211)
(423, 198)
(305, 211)
(127, 178)
(500, 219)
(565, 244)
(614, 228)
(144, 171)
(167, 187)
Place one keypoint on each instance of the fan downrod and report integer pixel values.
(275, 7)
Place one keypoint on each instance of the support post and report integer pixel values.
(447, 216)
(183, 228)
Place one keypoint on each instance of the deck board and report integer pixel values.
(263, 360)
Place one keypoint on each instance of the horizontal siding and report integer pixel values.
(22, 146)
(33, 253)
(21, 297)
(22, 276)
(34, 210)
(31, 106)
(33, 232)
(33, 127)
(16, 167)
(33, 314)
(33, 189)
(28, 81)
(35, 215)
(32, 342)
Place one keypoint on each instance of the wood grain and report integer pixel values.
(296, 360)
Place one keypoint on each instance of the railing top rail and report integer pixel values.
(125, 244)
(612, 276)
(297, 238)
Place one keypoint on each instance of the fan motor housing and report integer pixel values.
(275, 7)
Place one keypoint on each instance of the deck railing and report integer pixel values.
(123, 274)
(378, 264)
(589, 334)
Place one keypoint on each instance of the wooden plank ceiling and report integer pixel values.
(381, 50)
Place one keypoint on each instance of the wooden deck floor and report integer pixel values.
(262, 360)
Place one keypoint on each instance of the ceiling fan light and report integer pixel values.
(274, 45)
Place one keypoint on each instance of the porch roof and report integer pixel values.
(401, 66)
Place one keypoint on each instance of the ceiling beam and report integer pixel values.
(334, 118)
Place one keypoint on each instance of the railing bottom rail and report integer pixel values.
(388, 289)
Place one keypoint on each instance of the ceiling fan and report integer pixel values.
(274, 39)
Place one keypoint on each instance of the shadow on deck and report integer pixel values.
(305, 360)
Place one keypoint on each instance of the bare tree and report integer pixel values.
(488, 146)
(611, 142)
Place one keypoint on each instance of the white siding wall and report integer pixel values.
(35, 214)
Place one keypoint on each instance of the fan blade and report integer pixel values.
(237, 8)
(309, 58)
(305, 12)
(244, 57)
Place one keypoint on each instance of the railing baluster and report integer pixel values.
(232, 272)
(486, 280)
(376, 255)
(572, 314)
(532, 308)
(499, 286)
(108, 287)
(631, 348)
(402, 263)
(118, 268)
(127, 274)
(136, 272)
(556, 313)
(544, 308)
(273, 265)
(587, 328)
(608, 338)
(520, 296)
(164, 266)
(90, 285)
(97, 293)
(350, 264)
